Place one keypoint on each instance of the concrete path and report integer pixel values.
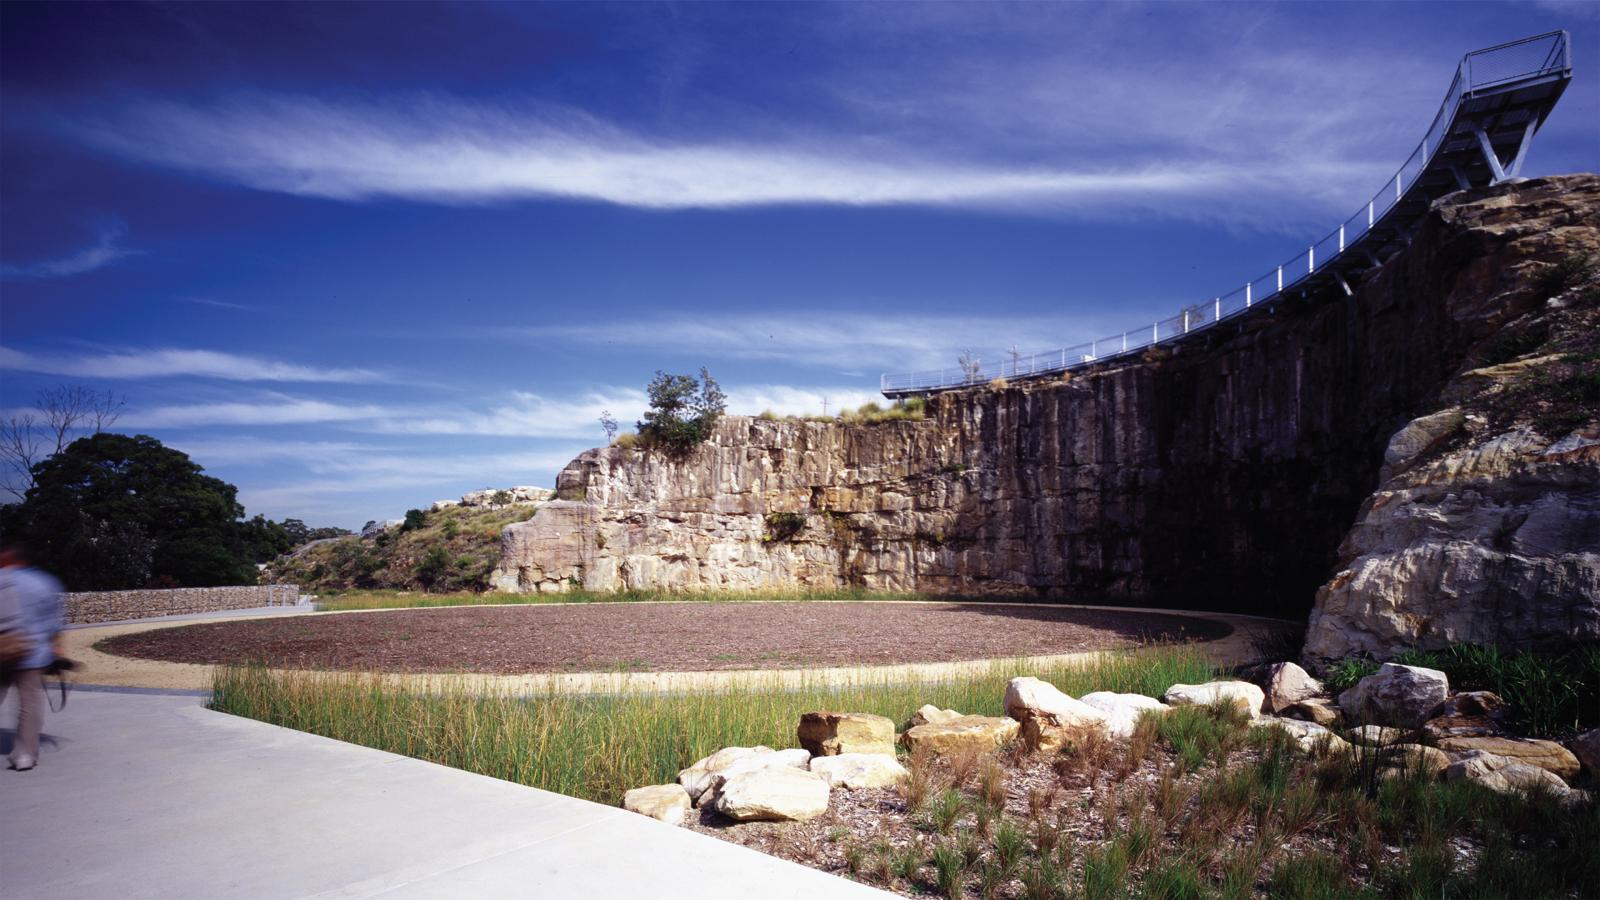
(140, 795)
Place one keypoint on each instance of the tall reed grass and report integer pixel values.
(598, 746)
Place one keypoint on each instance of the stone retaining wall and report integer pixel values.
(115, 606)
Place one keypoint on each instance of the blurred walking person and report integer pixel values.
(30, 630)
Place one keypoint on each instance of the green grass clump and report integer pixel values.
(597, 747)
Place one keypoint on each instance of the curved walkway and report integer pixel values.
(141, 796)
(106, 669)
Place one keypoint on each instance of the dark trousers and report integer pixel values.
(30, 698)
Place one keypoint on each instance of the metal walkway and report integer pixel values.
(1499, 99)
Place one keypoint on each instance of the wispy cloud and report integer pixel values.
(219, 304)
(177, 362)
(452, 150)
(105, 250)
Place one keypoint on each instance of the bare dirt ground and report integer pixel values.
(658, 637)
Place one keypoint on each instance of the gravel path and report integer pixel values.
(627, 637)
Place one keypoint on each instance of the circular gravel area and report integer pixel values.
(645, 637)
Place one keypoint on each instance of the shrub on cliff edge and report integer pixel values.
(683, 411)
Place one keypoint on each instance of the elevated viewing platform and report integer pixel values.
(1497, 102)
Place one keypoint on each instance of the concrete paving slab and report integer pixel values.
(140, 795)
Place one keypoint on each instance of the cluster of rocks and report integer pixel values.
(858, 750)
(746, 784)
(1408, 719)
(497, 498)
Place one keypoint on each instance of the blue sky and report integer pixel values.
(354, 258)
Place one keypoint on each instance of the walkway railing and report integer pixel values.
(1490, 71)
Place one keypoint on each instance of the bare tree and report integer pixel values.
(608, 423)
(971, 366)
(71, 408)
(28, 438)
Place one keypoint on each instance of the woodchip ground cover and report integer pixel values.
(659, 637)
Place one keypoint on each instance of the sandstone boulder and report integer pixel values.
(968, 732)
(859, 770)
(1547, 755)
(1243, 694)
(1505, 776)
(1444, 727)
(1319, 710)
(1586, 747)
(1307, 734)
(1028, 697)
(832, 733)
(792, 759)
(1122, 711)
(662, 802)
(1375, 735)
(1417, 758)
(1395, 695)
(1286, 684)
(696, 778)
(780, 794)
(928, 714)
(1470, 703)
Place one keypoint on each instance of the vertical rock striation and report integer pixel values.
(1220, 473)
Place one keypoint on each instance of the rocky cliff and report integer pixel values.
(1223, 472)
(1485, 527)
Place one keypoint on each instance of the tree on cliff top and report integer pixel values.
(111, 511)
(683, 411)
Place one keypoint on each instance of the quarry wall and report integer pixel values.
(1224, 472)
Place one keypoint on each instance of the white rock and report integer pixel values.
(662, 802)
(1306, 734)
(1397, 695)
(928, 714)
(1028, 697)
(859, 770)
(697, 777)
(1375, 735)
(1245, 695)
(712, 785)
(780, 794)
(1122, 711)
(1286, 685)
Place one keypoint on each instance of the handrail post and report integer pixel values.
(1124, 342)
(1311, 259)
(1247, 295)
(1397, 184)
(1341, 237)
(1155, 333)
(1280, 279)
(1369, 213)
(1216, 309)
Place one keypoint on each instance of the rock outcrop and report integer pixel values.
(1221, 472)
(1485, 527)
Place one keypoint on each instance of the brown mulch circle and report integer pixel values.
(511, 640)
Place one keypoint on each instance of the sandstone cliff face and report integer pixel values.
(1222, 473)
(1486, 525)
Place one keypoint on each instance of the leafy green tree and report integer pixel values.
(111, 511)
(683, 411)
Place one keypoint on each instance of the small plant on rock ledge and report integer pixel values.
(683, 411)
(783, 526)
